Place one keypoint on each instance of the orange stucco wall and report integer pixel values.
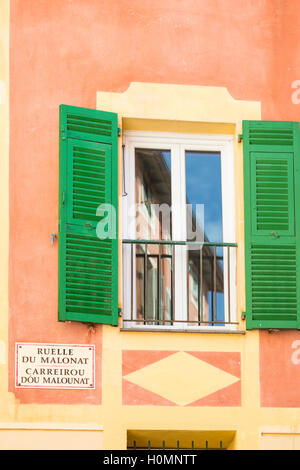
(64, 51)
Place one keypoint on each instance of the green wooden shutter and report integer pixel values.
(88, 265)
(272, 223)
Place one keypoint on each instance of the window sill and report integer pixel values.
(207, 330)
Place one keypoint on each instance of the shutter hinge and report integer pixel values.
(243, 316)
(119, 132)
(240, 138)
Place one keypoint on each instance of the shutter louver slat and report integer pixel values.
(268, 136)
(275, 271)
(93, 178)
(272, 187)
(82, 299)
(79, 123)
(88, 125)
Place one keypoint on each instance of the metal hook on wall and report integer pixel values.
(53, 236)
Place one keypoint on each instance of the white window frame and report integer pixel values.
(178, 144)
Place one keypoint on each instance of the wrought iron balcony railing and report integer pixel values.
(173, 283)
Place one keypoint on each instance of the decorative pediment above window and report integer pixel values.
(178, 103)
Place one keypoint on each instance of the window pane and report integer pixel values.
(153, 222)
(140, 279)
(205, 266)
(165, 293)
(203, 186)
(153, 194)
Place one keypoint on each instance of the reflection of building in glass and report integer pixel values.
(154, 278)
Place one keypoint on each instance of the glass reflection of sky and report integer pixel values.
(166, 154)
(203, 186)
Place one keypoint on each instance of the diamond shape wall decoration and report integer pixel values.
(183, 379)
